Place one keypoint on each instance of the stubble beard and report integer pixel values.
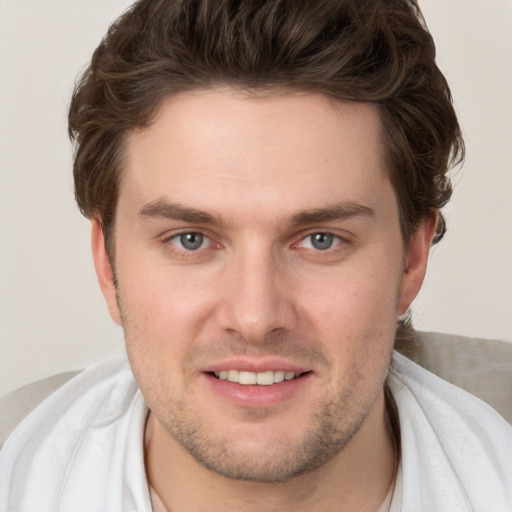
(278, 460)
(334, 423)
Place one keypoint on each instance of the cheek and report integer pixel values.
(164, 310)
(149, 286)
(359, 297)
(355, 315)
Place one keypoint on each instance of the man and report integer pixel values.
(264, 180)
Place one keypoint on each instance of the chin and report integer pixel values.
(255, 455)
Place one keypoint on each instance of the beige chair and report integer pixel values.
(482, 367)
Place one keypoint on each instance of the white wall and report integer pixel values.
(52, 316)
(468, 289)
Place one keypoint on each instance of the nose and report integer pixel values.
(256, 298)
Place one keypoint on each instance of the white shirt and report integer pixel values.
(82, 449)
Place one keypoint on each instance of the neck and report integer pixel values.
(358, 478)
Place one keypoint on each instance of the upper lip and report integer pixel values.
(256, 365)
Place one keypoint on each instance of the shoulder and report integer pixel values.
(71, 436)
(454, 445)
(483, 367)
(15, 406)
(57, 394)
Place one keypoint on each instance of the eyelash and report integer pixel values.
(337, 241)
(168, 241)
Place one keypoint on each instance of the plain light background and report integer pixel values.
(52, 315)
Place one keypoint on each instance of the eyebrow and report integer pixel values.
(163, 209)
(333, 212)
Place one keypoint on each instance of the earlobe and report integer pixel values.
(104, 270)
(416, 260)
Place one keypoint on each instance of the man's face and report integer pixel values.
(258, 240)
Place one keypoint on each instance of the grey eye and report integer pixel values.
(191, 241)
(322, 241)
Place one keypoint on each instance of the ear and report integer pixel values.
(415, 263)
(104, 270)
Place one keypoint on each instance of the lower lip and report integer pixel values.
(256, 397)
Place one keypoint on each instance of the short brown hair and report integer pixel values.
(375, 51)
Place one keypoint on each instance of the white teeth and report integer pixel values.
(247, 378)
(279, 376)
(233, 375)
(265, 378)
(251, 378)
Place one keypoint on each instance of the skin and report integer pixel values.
(257, 177)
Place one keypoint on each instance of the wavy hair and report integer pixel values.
(376, 51)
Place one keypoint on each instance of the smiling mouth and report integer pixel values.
(257, 378)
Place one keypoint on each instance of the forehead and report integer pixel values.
(208, 148)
